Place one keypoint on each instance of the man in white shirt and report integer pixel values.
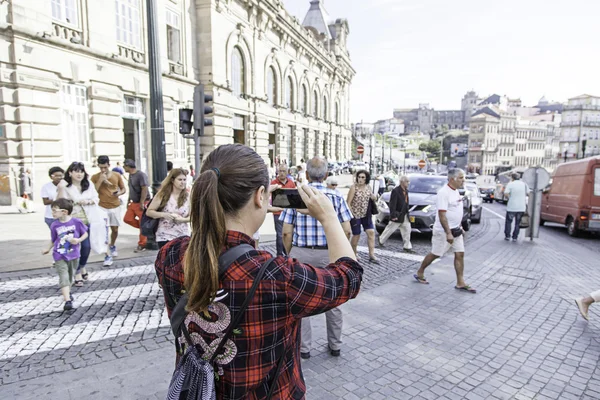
(447, 230)
(516, 191)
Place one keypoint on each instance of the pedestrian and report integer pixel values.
(285, 183)
(381, 181)
(332, 183)
(76, 187)
(311, 245)
(359, 198)
(49, 192)
(300, 174)
(173, 201)
(138, 196)
(119, 169)
(516, 192)
(67, 234)
(229, 202)
(169, 166)
(26, 184)
(192, 172)
(399, 215)
(447, 231)
(584, 303)
(109, 186)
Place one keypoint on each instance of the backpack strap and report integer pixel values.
(225, 260)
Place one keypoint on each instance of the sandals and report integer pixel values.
(466, 288)
(85, 276)
(421, 279)
(580, 307)
(78, 283)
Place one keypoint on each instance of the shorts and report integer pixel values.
(65, 270)
(439, 245)
(114, 216)
(366, 222)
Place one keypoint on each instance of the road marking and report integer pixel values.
(52, 280)
(27, 343)
(394, 254)
(44, 305)
(494, 212)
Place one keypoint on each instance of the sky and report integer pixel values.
(407, 52)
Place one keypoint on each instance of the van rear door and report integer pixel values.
(594, 202)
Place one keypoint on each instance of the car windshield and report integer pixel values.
(428, 185)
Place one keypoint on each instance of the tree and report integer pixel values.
(432, 147)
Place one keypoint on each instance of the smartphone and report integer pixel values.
(287, 198)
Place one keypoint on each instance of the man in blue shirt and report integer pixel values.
(516, 191)
(307, 237)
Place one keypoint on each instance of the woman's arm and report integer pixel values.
(151, 211)
(351, 194)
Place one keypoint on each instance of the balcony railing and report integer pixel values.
(585, 122)
(66, 33)
(134, 55)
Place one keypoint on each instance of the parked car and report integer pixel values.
(487, 194)
(573, 198)
(333, 168)
(422, 195)
(359, 166)
(476, 201)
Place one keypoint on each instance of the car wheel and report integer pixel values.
(542, 222)
(572, 227)
(466, 225)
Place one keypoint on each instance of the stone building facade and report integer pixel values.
(74, 81)
(581, 121)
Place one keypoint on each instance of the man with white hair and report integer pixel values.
(332, 183)
(399, 217)
(447, 230)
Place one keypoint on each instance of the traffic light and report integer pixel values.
(201, 109)
(185, 121)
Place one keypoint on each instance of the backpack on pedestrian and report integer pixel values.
(194, 376)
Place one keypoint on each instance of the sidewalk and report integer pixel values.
(23, 237)
(519, 337)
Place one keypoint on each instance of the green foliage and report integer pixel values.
(431, 147)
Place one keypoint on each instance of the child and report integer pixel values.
(67, 234)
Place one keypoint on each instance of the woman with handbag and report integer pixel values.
(173, 201)
(76, 187)
(362, 204)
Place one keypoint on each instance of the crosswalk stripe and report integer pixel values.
(52, 280)
(22, 343)
(42, 305)
(393, 254)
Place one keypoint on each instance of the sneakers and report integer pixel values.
(108, 261)
(113, 251)
(139, 249)
(68, 305)
(305, 356)
(507, 238)
(335, 353)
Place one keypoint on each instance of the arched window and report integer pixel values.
(303, 99)
(315, 104)
(271, 87)
(325, 116)
(337, 113)
(237, 72)
(289, 93)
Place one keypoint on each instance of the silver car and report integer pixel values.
(476, 201)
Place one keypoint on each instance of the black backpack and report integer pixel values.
(194, 377)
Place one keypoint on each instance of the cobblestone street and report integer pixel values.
(519, 337)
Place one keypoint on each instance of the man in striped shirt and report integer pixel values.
(306, 236)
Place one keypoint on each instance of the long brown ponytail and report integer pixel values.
(228, 178)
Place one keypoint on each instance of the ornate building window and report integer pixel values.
(303, 99)
(315, 104)
(65, 11)
(289, 93)
(325, 105)
(237, 72)
(128, 22)
(173, 36)
(271, 87)
(337, 113)
(74, 123)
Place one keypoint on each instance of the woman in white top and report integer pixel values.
(173, 201)
(77, 188)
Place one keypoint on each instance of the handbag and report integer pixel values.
(99, 227)
(148, 226)
(373, 206)
(456, 232)
(524, 221)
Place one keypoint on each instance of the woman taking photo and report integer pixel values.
(76, 187)
(359, 199)
(173, 201)
(229, 203)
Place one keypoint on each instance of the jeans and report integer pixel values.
(509, 218)
(279, 236)
(84, 251)
(49, 221)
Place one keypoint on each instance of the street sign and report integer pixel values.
(422, 164)
(543, 178)
(360, 149)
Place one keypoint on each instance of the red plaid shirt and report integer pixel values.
(288, 292)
